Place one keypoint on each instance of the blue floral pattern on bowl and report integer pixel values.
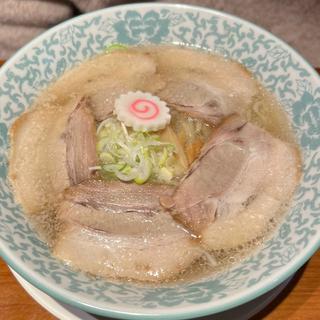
(136, 28)
(280, 69)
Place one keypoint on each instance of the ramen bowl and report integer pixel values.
(283, 71)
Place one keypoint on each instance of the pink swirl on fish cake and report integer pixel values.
(144, 109)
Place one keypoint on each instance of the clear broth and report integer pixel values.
(264, 110)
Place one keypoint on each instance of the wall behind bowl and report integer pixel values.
(295, 21)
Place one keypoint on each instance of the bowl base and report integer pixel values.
(66, 312)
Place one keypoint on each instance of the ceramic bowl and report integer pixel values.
(282, 70)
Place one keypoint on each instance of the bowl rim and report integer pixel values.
(168, 313)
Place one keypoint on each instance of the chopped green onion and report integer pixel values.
(165, 174)
(102, 144)
(133, 156)
(163, 157)
(115, 46)
(144, 171)
(106, 157)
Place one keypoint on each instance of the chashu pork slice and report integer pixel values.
(107, 76)
(80, 139)
(239, 182)
(118, 230)
(211, 88)
(52, 146)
